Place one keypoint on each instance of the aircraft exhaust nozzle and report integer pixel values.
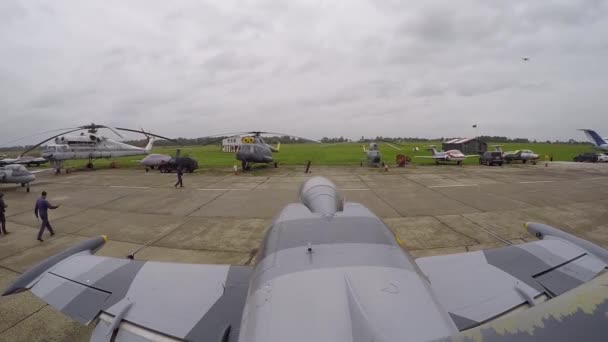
(542, 230)
(321, 196)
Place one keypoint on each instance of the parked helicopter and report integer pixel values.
(252, 149)
(18, 174)
(373, 155)
(90, 145)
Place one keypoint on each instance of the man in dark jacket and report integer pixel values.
(180, 173)
(3, 207)
(41, 212)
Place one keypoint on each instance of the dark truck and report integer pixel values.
(491, 158)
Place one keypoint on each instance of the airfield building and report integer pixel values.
(465, 145)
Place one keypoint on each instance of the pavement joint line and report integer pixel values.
(450, 197)
(456, 231)
(204, 204)
(496, 236)
(452, 185)
(265, 180)
(380, 197)
(23, 319)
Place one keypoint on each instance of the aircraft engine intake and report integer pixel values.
(320, 195)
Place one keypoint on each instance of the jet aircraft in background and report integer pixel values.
(24, 160)
(447, 156)
(521, 155)
(330, 270)
(596, 139)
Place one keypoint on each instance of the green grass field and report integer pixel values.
(337, 154)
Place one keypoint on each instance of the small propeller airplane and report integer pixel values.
(90, 146)
(18, 174)
(330, 270)
(447, 156)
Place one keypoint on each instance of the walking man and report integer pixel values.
(180, 173)
(3, 207)
(41, 212)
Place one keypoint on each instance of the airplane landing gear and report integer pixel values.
(89, 165)
(28, 188)
(23, 185)
(276, 164)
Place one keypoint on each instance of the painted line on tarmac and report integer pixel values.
(129, 187)
(223, 189)
(594, 178)
(532, 182)
(451, 186)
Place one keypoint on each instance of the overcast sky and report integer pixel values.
(310, 68)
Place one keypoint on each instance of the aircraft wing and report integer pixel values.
(478, 287)
(140, 300)
(472, 155)
(578, 315)
(425, 157)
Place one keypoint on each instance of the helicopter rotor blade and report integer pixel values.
(152, 134)
(36, 134)
(284, 135)
(115, 132)
(42, 142)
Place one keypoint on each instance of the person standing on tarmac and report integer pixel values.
(41, 212)
(3, 207)
(180, 173)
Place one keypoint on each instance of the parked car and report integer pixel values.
(602, 158)
(491, 158)
(187, 164)
(587, 157)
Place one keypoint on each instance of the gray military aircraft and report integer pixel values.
(24, 160)
(254, 150)
(373, 155)
(518, 155)
(329, 270)
(18, 174)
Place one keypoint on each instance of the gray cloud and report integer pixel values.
(384, 67)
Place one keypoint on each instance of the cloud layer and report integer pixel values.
(310, 68)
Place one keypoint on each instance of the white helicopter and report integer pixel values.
(90, 145)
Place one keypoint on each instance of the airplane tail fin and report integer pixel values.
(278, 146)
(433, 149)
(595, 138)
(498, 148)
(364, 150)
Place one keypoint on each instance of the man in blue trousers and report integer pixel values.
(41, 212)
